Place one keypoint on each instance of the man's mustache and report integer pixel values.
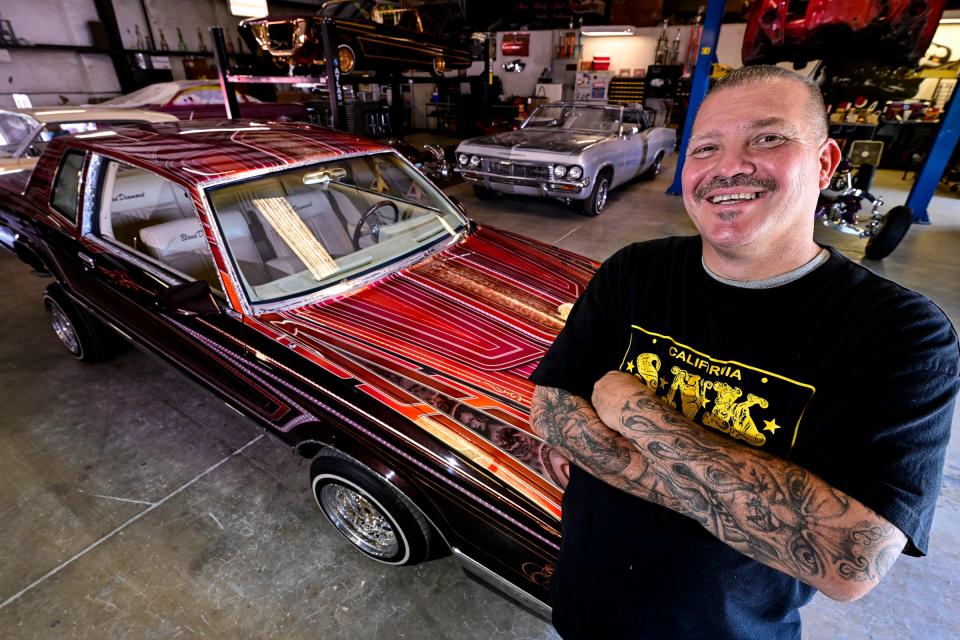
(767, 184)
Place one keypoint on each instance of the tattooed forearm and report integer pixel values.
(763, 506)
(569, 424)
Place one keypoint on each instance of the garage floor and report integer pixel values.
(135, 505)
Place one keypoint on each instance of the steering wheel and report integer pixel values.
(374, 229)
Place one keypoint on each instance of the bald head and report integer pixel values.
(764, 73)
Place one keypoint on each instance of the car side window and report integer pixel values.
(632, 119)
(66, 188)
(154, 217)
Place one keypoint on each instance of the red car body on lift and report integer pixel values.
(895, 31)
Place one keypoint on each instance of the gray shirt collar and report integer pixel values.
(775, 281)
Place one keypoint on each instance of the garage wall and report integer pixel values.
(639, 51)
(541, 56)
(47, 75)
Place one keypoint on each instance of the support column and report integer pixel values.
(937, 158)
(230, 102)
(338, 111)
(706, 57)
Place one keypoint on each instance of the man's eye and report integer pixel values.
(770, 139)
(703, 150)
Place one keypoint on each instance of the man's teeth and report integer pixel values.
(731, 197)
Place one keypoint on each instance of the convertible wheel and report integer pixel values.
(654, 169)
(593, 206)
(85, 337)
(369, 512)
(895, 226)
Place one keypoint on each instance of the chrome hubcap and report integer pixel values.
(601, 195)
(64, 329)
(359, 520)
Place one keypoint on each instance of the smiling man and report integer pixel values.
(751, 417)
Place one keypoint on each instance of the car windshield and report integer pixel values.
(581, 117)
(296, 232)
(15, 130)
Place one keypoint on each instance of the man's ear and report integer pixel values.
(829, 159)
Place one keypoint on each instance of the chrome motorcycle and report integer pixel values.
(849, 207)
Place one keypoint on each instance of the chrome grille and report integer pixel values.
(516, 169)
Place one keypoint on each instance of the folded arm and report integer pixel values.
(767, 508)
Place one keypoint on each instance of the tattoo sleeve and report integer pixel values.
(767, 508)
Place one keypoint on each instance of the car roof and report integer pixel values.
(158, 92)
(56, 114)
(200, 152)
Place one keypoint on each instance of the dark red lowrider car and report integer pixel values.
(368, 35)
(325, 289)
(894, 31)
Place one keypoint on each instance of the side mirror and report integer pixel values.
(189, 299)
(629, 130)
(459, 205)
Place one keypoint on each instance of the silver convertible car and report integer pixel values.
(571, 151)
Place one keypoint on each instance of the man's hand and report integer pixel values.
(613, 392)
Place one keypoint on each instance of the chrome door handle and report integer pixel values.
(88, 261)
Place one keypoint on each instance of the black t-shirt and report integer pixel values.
(842, 372)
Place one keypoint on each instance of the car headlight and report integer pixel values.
(575, 172)
(474, 161)
(559, 171)
(462, 158)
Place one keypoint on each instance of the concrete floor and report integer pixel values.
(135, 505)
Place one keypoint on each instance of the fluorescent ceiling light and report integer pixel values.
(608, 30)
(248, 8)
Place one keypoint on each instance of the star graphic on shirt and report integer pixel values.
(630, 366)
(772, 425)
(663, 382)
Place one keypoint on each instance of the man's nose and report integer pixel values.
(731, 161)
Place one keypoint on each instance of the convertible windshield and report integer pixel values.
(582, 118)
(296, 232)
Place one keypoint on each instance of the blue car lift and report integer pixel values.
(937, 158)
(706, 57)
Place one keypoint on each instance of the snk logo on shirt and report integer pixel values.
(759, 407)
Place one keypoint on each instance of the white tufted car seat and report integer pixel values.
(182, 245)
(139, 199)
(236, 231)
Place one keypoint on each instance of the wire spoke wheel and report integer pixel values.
(372, 514)
(359, 520)
(65, 330)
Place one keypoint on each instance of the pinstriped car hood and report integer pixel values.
(459, 333)
(488, 304)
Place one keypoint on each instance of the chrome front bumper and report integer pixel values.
(527, 186)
